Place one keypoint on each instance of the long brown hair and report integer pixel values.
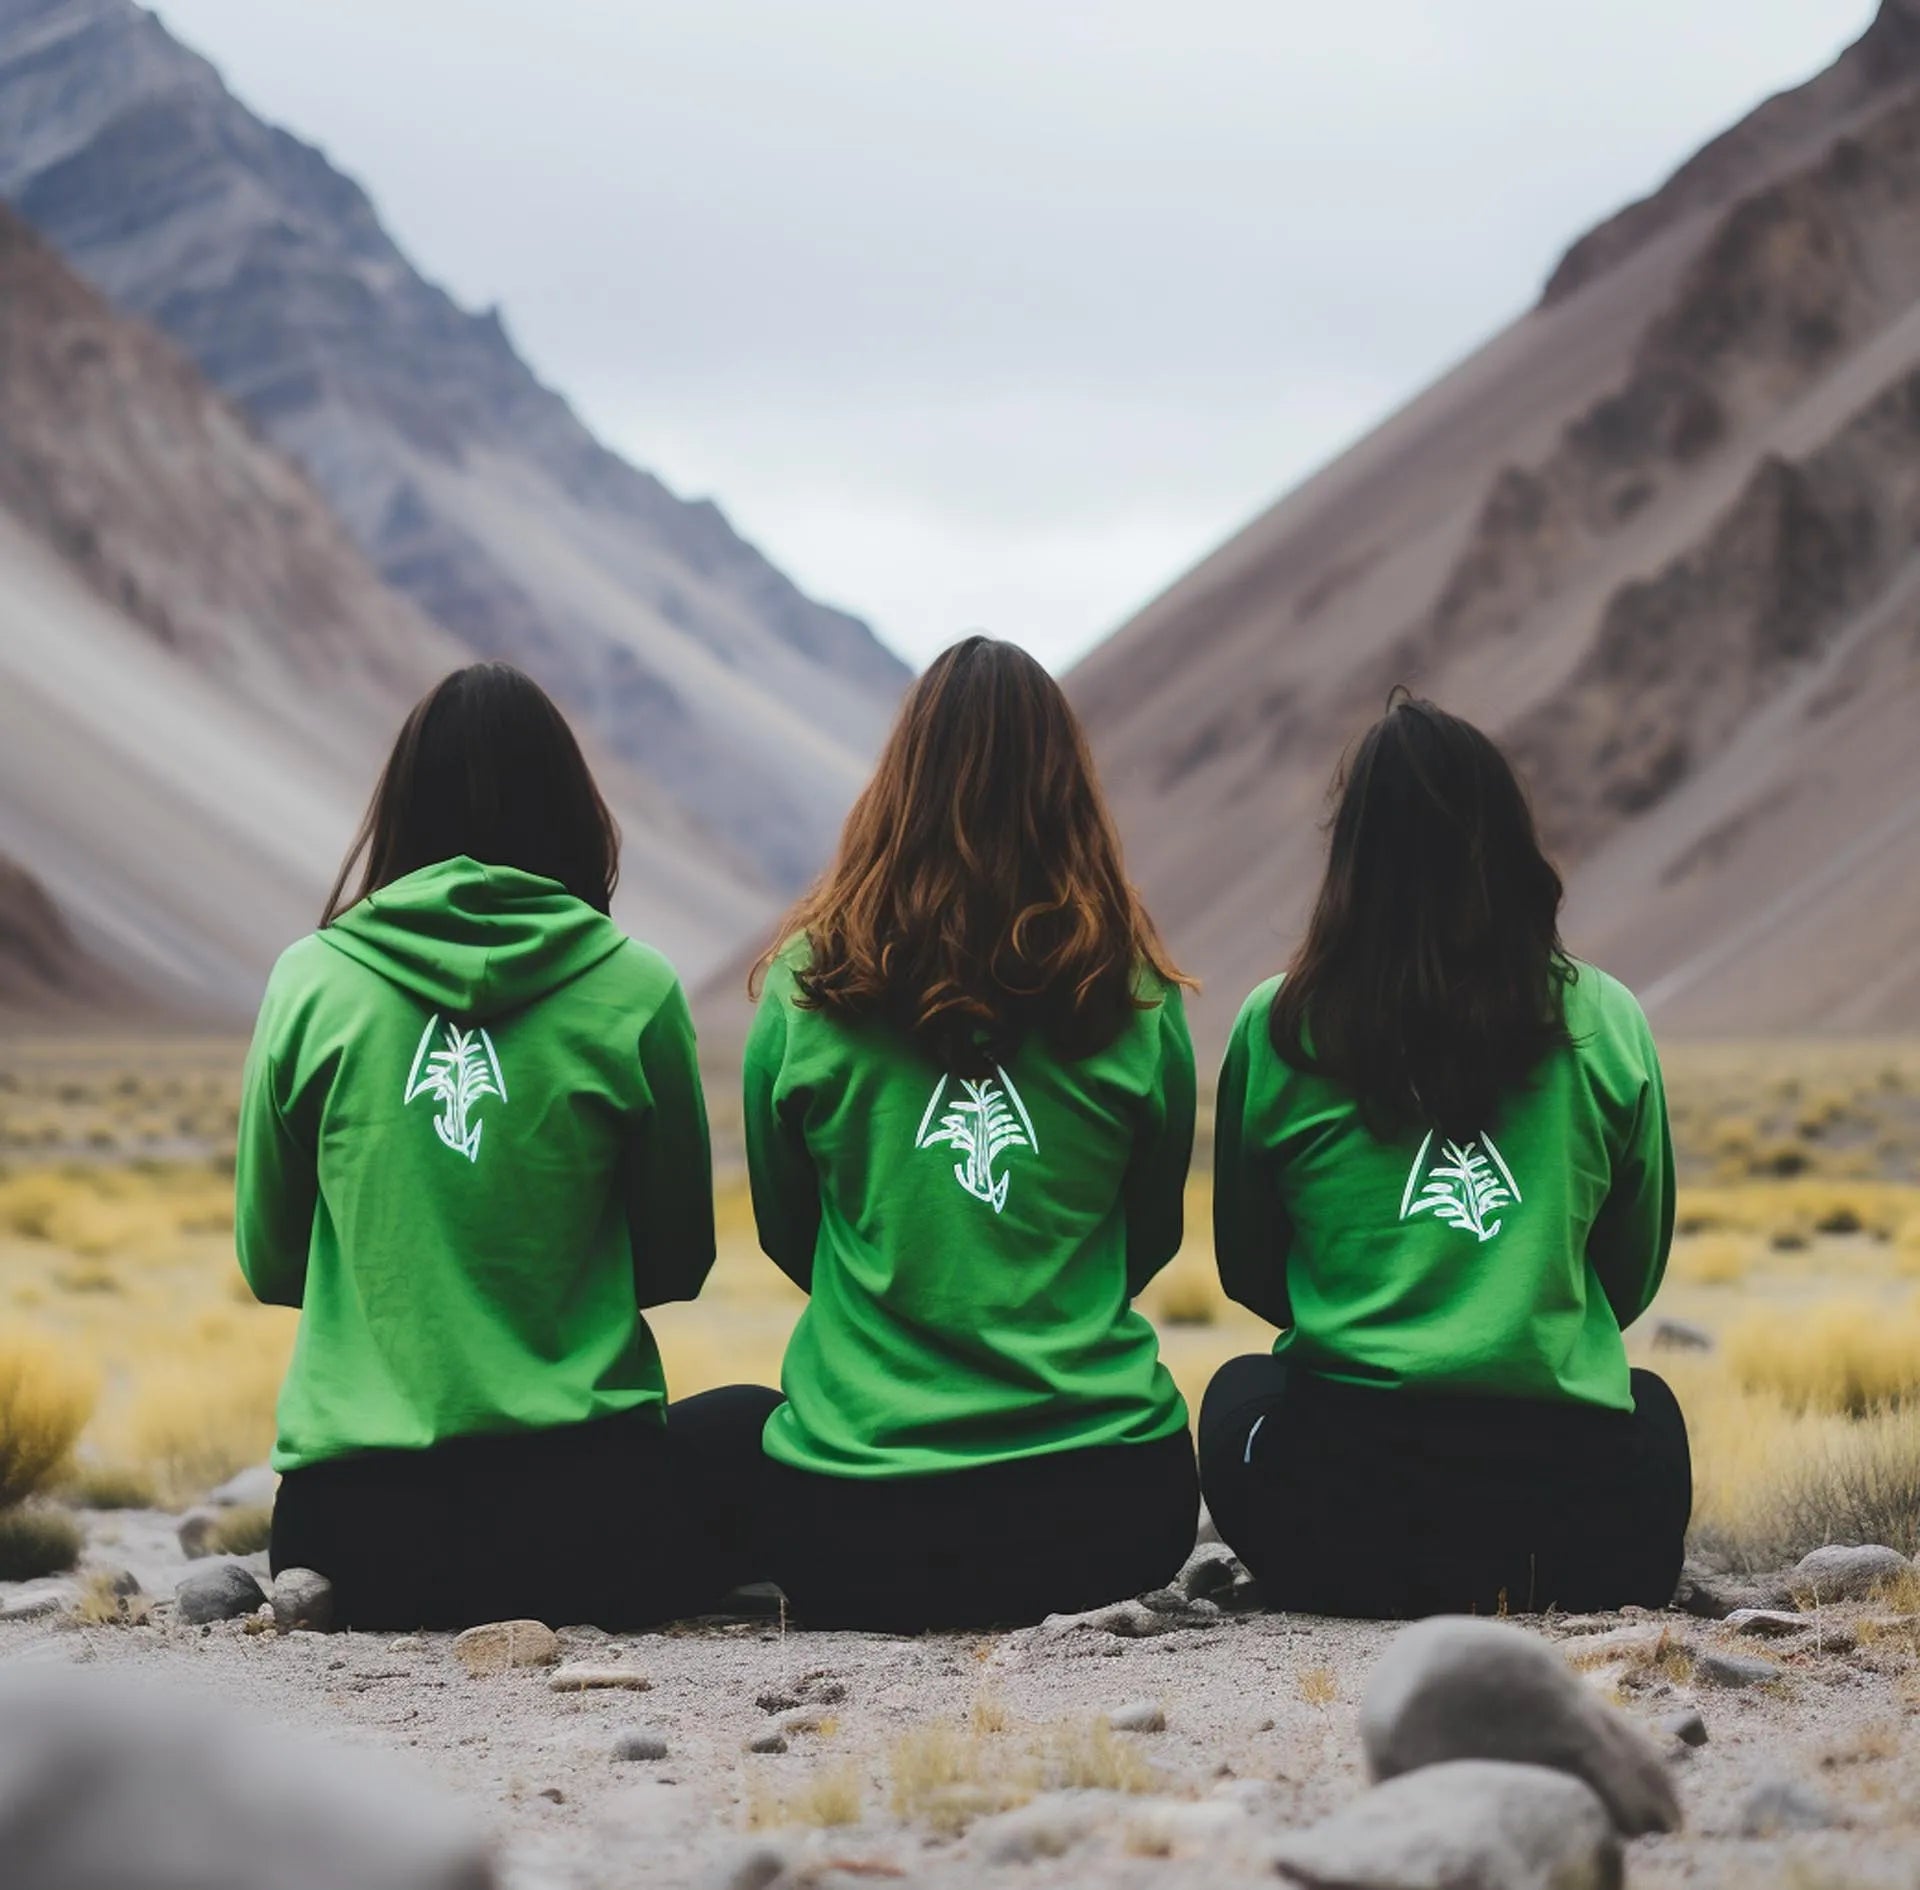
(1432, 979)
(486, 766)
(978, 894)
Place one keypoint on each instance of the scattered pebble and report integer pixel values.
(1495, 1826)
(221, 1593)
(1139, 1716)
(195, 1531)
(639, 1746)
(1687, 1726)
(1768, 1624)
(754, 1869)
(1453, 1689)
(767, 1742)
(1681, 1335)
(1734, 1670)
(301, 1599)
(405, 1644)
(584, 1676)
(554, 1795)
(500, 1645)
(1776, 1807)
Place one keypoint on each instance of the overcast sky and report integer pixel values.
(999, 313)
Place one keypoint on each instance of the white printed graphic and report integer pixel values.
(457, 1075)
(1468, 1189)
(983, 1121)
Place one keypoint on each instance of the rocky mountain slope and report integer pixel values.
(198, 671)
(1663, 536)
(471, 488)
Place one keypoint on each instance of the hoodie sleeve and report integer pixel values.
(276, 1187)
(1251, 1231)
(1632, 1235)
(1156, 1186)
(786, 1190)
(670, 1185)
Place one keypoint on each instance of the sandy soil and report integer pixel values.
(1259, 1737)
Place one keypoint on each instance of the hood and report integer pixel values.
(474, 941)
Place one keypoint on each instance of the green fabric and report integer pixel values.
(470, 1263)
(1385, 1270)
(965, 1311)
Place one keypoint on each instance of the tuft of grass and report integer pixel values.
(243, 1531)
(193, 1431)
(110, 1486)
(101, 1604)
(990, 1717)
(37, 1539)
(44, 1406)
(1851, 1358)
(1318, 1686)
(826, 1800)
(1713, 1259)
(1089, 1755)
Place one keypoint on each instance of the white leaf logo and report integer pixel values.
(983, 1121)
(1468, 1188)
(457, 1075)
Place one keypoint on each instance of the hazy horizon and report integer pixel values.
(972, 318)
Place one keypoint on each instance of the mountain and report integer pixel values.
(198, 673)
(470, 487)
(1662, 537)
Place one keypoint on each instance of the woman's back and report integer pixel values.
(1505, 1261)
(970, 1243)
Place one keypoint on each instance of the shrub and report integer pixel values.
(110, 1486)
(1850, 1358)
(828, 1799)
(37, 1539)
(243, 1531)
(44, 1406)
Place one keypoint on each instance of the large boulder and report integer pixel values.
(1454, 1688)
(1474, 1822)
(115, 1781)
(1847, 1574)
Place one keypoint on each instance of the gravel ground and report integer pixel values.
(1259, 1737)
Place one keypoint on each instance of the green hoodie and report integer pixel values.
(472, 1147)
(1507, 1266)
(970, 1248)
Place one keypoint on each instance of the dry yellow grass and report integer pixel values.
(196, 1420)
(1846, 1357)
(826, 1800)
(44, 1406)
(947, 1776)
(1719, 1259)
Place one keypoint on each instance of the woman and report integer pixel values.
(472, 1148)
(969, 1111)
(1442, 1165)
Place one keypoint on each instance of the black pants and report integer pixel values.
(1390, 1505)
(1001, 1545)
(610, 1523)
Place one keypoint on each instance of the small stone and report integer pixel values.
(583, 1676)
(776, 1700)
(195, 1531)
(639, 1746)
(36, 1607)
(405, 1644)
(222, 1593)
(756, 1869)
(1733, 1670)
(1847, 1574)
(301, 1600)
(498, 1646)
(1687, 1726)
(1209, 1571)
(1680, 1335)
(1776, 1807)
(1478, 1822)
(1138, 1716)
(251, 1489)
(1768, 1624)
(821, 1688)
(1455, 1688)
(554, 1795)
(767, 1742)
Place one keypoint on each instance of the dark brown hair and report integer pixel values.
(978, 894)
(1432, 978)
(486, 766)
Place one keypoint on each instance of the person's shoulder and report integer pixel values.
(1250, 1025)
(1602, 1013)
(645, 976)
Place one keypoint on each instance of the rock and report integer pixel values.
(1687, 1726)
(221, 1593)
(1778, 1806)
(1165, 1600)
(115, 1779)
(195, 1531)
(804, 1721)
(1128, 1620)
(1768, 1624)
(585, 1676)
(1733, 1670)
(1455, 1688)
(1048, 1827)
(1843, 1574)
(1139, 1716)
(639, 1746)
(121, 1583)
(500, 1645)
(251, 1489)
(767, 1742)
(1679, 1335)
(1209, 1571)
(1712, 1597)
(758, 1868)
(38, 1604)
(301, 1600)
(1474, 1822)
